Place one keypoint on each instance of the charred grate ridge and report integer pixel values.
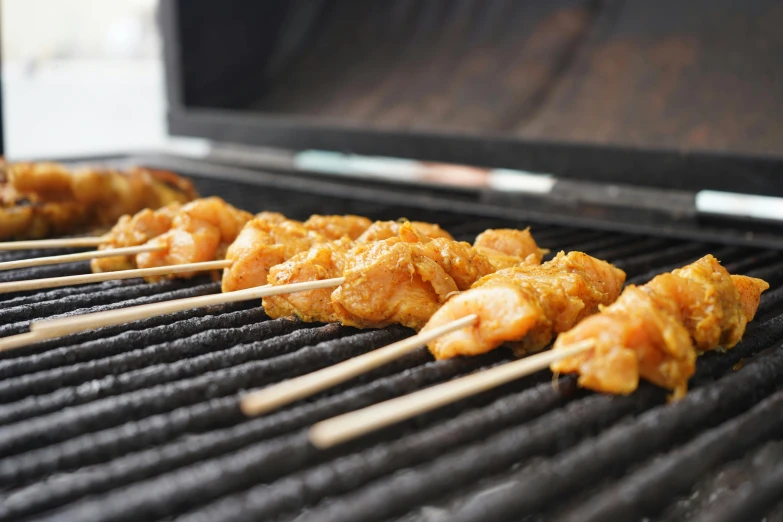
(164, 495)
(756, 496)
(547, 434)
(111, 411)
(539, 484)
(208, 335)
(148, 463)
(182, 324)
(62, 305)
(65, 269)
(149, 295)
(352, 471)
(640, 494)
(211, 361)
(59, 293)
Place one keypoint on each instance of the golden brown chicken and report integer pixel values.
(527, 305)
(405, 282)
(200, 231)
(655, 331)
(42, 199)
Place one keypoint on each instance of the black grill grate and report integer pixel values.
(141, 421)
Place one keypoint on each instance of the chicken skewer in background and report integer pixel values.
(44, 199)
(656, 330)
(652, 331)
(195, 232)
(400, 280)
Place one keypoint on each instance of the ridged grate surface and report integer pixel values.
(141, 422)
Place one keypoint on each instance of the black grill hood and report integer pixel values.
(675, 95)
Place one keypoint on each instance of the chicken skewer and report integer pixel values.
(42, 199)
(559, 293)
(68, 242)
(196, 232)
(656, 331)
(261, 255)
(650, 331)
(58, 327)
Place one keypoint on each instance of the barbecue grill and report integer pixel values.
(142, 422)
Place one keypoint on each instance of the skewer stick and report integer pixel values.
(81, 256)
(52, 243)
(52, 282)
(273, 397)
(18, 341)
(348, 426)
(68, 325)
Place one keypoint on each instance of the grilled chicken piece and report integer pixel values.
(527, 305)
(41, 199)
(200, 231)
(336, 227)
(387, 229)
(133, 231)
(655, 331)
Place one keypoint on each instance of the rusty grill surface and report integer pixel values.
(141, 421)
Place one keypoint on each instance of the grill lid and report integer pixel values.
(674, 95)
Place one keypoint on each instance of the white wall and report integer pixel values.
(81, 77)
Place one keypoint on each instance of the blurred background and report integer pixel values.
(86, 76)
(82, 76)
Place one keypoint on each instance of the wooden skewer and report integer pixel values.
(273, 397)
(52, 282)
(74, 242)
(81, 256)
(68, 325)
(348, 426)
(18, 341)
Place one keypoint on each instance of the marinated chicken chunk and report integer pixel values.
(655, 331)
(434, 268)
(322, 261)
(133, 231)
(260, 246)
(381, 230)
(336, 227)
(391, 281)
(200, 231)
(511, 242)
(526, 305)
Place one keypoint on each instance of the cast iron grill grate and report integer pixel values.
(141, 421)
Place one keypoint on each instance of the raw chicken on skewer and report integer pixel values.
(262, 252)
(527, 306)
(656, 330)
(652, 331)
(397, 280)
